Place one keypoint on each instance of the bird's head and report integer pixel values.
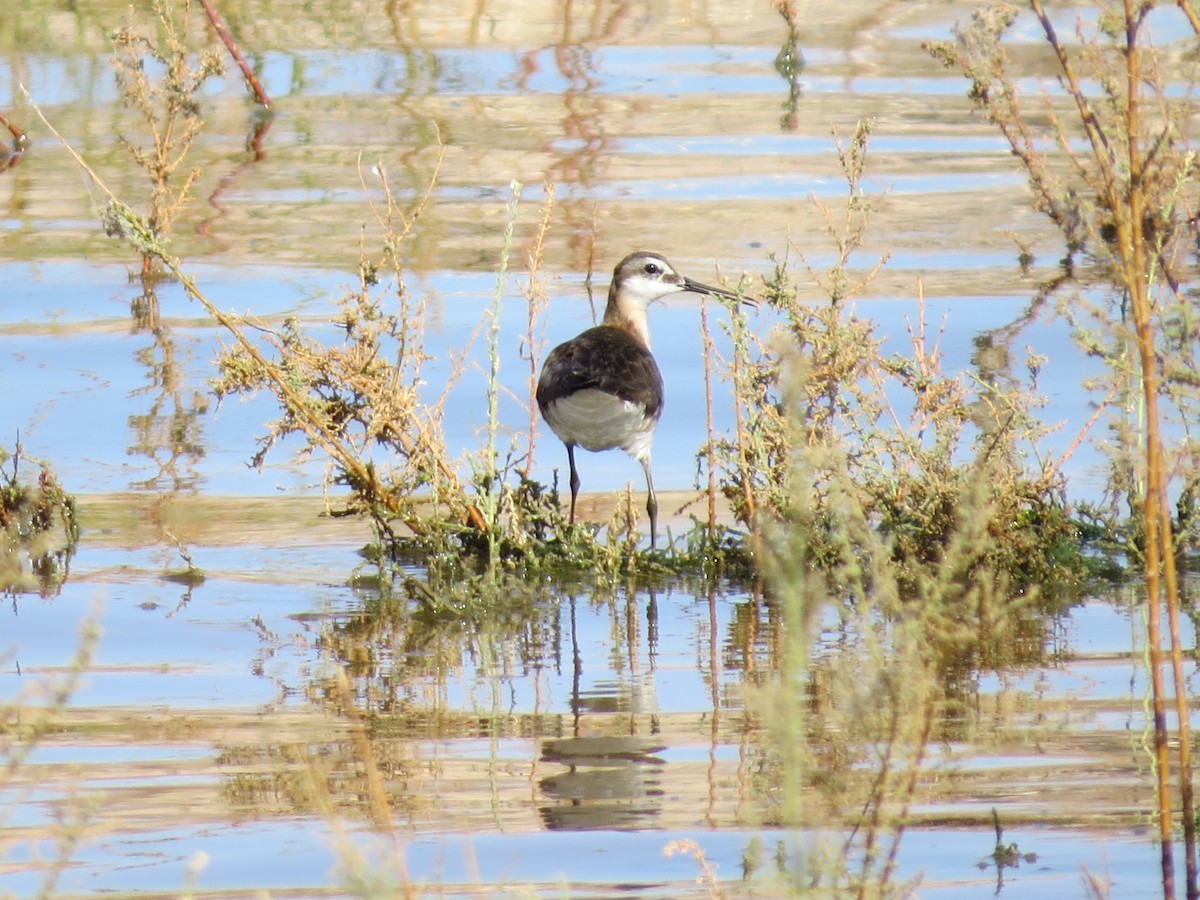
(643, 277)
(640, 279)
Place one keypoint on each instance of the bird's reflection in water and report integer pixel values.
(608, 783)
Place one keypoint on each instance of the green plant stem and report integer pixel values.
(741, 391)
(710, 431)
(491, 472)
(535, 298)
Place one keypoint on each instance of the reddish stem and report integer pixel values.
(227, 39)
(19, 137)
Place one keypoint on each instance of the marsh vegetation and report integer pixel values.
(876, 530)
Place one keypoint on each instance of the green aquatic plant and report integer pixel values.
(39, 529)
(910, 437)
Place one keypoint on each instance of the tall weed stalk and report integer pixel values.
(160, 77)
(1113, 170)
(536, 302)
(488, 478)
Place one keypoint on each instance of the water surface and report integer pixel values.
(561, 752)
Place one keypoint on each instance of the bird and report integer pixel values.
(602, 390)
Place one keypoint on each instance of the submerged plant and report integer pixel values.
(38, 527)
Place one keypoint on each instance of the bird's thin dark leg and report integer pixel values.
(574, 479)
(651, 501)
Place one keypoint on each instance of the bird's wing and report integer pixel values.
(605, 359)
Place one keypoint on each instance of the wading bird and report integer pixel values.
(602, 389)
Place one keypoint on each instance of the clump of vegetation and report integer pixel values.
(359, 400)
(38, 527)
(1125, 209)
(908, 440)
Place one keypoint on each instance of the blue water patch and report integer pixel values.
(664, 71)
(797, 144)
(782, 186)
(490, 70)
(291, 855)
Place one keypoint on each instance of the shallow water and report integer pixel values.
(571, 748)
(561, 752)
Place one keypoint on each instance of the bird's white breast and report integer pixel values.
(598, 421)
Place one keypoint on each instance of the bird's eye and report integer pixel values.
(652, 268)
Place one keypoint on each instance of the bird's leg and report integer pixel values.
(651, 502)
(574, 479)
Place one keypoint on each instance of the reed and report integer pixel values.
(1110, 165)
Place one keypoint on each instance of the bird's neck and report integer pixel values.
(630, 317)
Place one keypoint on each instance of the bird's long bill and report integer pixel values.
(697, 288)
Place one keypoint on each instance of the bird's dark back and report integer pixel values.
(607, 359)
